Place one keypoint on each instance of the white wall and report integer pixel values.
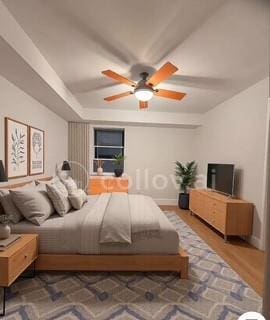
(235, 132)
(17, 105)
(151, 153)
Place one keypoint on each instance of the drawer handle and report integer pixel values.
(25, 256)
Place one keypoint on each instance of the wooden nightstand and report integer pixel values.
(16, 259)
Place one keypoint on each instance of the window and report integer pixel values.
(107, 144)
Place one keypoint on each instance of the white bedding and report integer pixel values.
(67, 236)
(116, 223)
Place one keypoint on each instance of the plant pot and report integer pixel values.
(183, 201)
(118, 172)
(4, 231)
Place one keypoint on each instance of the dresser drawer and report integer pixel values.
(21, 260)
(218, 220)
(97, 186)
(219, 206)
(107, 184)
(117, 185)
(218, 215)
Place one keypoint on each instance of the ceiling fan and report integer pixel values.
(145, 88)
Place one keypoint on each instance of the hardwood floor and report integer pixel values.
(246, 260)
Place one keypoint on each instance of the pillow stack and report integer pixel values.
(36, 203)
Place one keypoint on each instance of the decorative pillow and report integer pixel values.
(71, 185)
(59, 200)
(56, 182)
(78, 199)
(34, 204)
(8, 205)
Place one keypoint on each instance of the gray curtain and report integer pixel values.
(79, 152)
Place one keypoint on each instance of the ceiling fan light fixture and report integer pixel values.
(144, 94)
(145, 88)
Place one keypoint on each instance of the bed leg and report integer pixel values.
(183, 274)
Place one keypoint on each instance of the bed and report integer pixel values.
(71, 242)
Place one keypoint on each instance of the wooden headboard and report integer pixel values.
(21, 184)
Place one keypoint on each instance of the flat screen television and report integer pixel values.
(220, 177)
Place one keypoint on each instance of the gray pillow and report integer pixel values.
(59, 200)
(8, 205)
(78, 199)
(34, 204)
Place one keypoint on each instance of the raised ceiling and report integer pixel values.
(221, 47)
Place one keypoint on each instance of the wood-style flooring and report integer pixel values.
(246, 260)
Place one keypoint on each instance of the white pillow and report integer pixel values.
(59, 200)
(78, 199)
(56, 182)
(71, 185)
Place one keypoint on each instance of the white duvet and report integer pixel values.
(149, 230)
(118, 218)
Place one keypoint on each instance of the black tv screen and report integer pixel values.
(220, 177)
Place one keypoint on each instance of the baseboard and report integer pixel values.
(166, 202)
(256, 242)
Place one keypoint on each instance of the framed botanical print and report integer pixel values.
(36, 151)
(16, 148)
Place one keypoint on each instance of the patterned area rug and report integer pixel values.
(214, 291)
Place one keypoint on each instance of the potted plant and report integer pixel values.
(4, 227)
(118, 162)
(185, 177)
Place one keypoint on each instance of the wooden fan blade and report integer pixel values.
(143, 104)
(170, 94)
(118, 77)
(117, 96)
(162, 74)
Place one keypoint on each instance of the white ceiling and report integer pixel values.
(221, 47)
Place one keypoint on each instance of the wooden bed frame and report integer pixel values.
(78, 262)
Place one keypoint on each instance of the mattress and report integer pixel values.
(54, 238)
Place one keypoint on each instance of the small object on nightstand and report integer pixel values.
(6, 243)
(15, 260)
(4, 227)
(4, 231)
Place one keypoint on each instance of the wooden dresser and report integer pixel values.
(101, 184)
(227, 215)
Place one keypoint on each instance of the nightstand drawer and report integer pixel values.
(21, 259)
